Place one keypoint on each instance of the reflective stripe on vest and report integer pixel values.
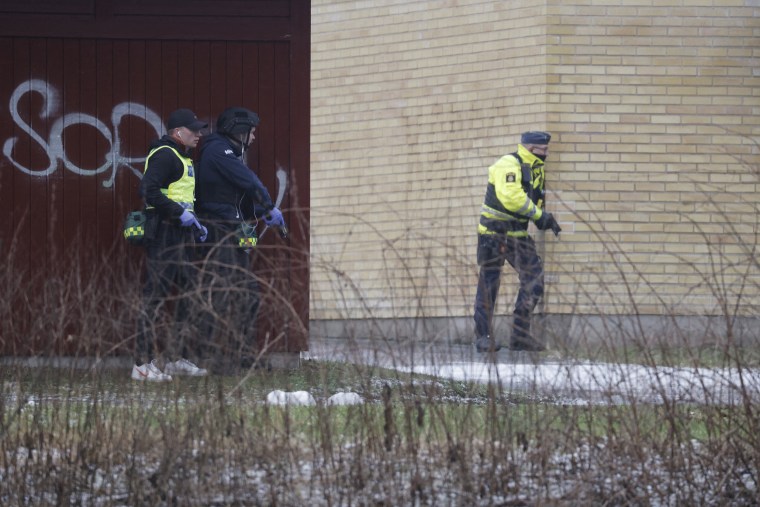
(497, 219)
(181, 191)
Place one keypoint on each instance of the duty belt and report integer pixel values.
(185, 205)
(502, 226)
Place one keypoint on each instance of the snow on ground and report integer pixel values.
(567, 380)
(345, 399)
(278, 397)
(613, 382)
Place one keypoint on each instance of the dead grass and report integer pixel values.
(93, 437)
(78, 437)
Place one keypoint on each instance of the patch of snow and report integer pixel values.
(345, 399)
(612, 381)
(278, 397)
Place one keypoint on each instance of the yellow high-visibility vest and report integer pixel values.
(181, 191)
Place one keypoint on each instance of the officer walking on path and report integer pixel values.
(515, 196)
(168, 188)
(231, 201)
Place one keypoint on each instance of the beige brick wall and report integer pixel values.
(654, 168)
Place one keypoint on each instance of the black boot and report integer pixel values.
(521, 339)
(525, 343)
(487, 344)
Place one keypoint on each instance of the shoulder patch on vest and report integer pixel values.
(511, 178)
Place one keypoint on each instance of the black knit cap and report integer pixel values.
(185, 118)
(535, 137)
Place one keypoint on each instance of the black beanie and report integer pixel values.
(535, 137)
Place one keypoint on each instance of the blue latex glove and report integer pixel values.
(187, 218)
(204, 233)
(273, 218)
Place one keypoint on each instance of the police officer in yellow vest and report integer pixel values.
(514, 197)
(168, 188)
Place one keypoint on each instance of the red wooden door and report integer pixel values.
(85, 86)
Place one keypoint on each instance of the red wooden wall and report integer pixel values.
(85, 85)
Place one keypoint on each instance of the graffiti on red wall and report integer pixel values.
(53, 144)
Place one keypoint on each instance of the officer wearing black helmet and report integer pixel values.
(230, 198)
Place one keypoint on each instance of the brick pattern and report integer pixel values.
(654, 168)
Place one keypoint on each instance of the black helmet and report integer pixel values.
(235, 121)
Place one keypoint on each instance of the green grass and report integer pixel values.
(409, 406)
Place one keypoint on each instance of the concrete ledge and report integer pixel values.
(275, 360)
(558, 330)
(284, 360)
(76, 363)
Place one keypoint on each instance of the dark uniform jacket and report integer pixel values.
(226, 189)
(163, 169)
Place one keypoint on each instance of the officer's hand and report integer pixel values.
(547, 221)
(187, 218)
(203, 233)
(556, 229)
(274, 218)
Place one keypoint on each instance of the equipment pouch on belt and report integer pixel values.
(247, 237)
(502, 226)
(134, 227)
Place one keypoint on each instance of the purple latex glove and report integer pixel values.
(274, 218)
(187, 218)
(203, 232)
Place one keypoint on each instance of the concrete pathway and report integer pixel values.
(564, 380)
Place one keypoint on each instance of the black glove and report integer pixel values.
(547, 221)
